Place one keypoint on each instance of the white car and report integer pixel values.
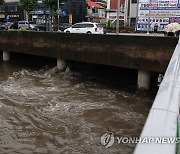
(85, 27)
(26, 25)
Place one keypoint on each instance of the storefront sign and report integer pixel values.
(47, 11)
(14, 16)
(163, 12)
(2, 16)
(39, 11)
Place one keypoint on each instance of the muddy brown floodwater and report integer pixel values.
(46, 111)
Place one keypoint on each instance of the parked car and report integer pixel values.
(23, 24)
(41, 27)
(7, 25)
(32, 25)
(63, 26)
(85, 27)
(14, 25)
(2, 26)
(26, 25)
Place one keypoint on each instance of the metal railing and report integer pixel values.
(160, 130)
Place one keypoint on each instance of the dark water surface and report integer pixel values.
(45, 111)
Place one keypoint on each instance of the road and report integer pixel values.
(138, 34)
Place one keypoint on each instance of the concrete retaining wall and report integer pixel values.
(137, 52)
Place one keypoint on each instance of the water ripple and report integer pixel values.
(45, 111)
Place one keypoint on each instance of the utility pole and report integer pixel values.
(117, 19)
(58, 17)
(50, 24)
(125, 12)
(148, 29)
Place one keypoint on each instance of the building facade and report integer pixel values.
(96, 12)
(75, 9)
(144, 14)
(161, 12)
(112, 11)
(11, 11)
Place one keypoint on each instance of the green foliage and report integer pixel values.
(112, 26)
(1, 2)
(22, 30)
(18, 30)
(109, 23)
(52, 4)
(28, 5)
(126, 27)
(120, 24)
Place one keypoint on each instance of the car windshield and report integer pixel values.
(99, 25)
(32, 22)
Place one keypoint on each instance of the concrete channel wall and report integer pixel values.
(136, 52)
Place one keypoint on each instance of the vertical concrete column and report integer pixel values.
(61, 64)
(143, 79)
(6, 55)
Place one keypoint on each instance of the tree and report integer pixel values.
(1, 2)
(28, 5)
(52, 5)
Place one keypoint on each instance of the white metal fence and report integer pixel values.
(161, 126)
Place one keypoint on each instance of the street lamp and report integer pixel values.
(59, 12)
(117, 19)
(58, 16)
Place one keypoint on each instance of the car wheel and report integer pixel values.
(67, 31)
(88, 33)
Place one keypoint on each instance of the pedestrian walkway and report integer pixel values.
(138, 34)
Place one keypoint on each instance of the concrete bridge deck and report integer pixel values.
(151, 53)
(144, 53)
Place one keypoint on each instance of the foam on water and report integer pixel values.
(46, 110)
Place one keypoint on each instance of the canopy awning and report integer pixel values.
(92, 4)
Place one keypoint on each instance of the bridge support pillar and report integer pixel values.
(6, 55)
(143, 79)
(61, 64)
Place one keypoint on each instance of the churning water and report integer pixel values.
(46, 111)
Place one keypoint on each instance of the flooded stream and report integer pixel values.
(46, 111)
